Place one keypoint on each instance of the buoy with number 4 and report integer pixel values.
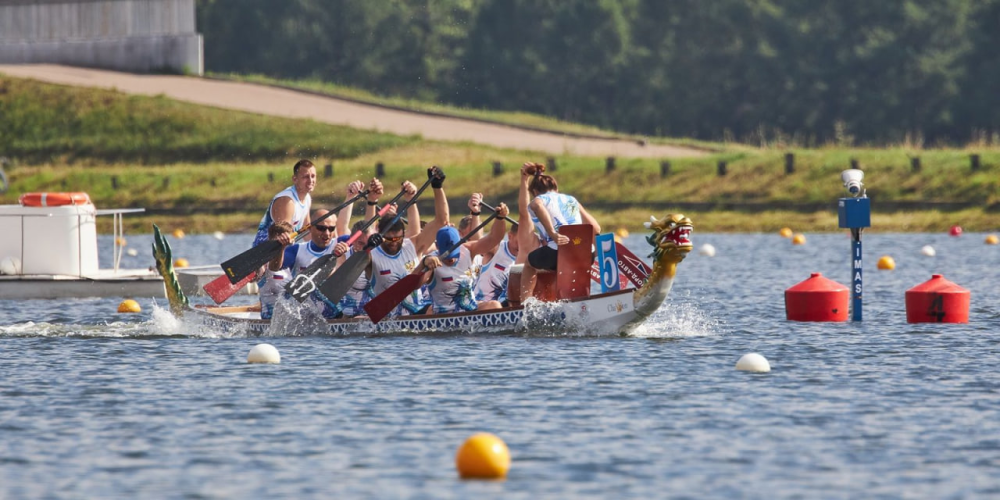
(937, 300)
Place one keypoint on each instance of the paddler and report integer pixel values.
(299, 256)
(549, 210)
(292, 203)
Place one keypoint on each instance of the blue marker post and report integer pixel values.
(855, 214)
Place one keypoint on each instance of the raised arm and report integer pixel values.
(442, 216)
(494, 237)
(344, 216)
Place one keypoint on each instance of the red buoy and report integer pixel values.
(817, 299)
(955, 231)
(937, 300)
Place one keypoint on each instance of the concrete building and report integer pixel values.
(142, 36)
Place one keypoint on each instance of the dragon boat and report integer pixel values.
(616, 312)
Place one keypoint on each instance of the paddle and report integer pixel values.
(491, 209)
(336, 286)
(250, 261)
(305, 282)
(385, 302)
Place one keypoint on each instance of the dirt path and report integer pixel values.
(279, 102)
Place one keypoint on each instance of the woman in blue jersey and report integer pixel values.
(549, 209)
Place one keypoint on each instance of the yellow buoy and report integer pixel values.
(129, 306)
(887, 263)
(799, 239)
(120, 241)
(786, 232)
(483, 456)
(622, 233)
(180, 262)
(992, 239)
(178, 233)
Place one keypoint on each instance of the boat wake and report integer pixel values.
(678, 320)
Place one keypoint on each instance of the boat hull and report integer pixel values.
(23, 287)
(605, 314)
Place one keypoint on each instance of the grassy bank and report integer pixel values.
(208, 169)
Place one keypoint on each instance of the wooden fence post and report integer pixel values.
(855, 163)
(789, 163)
(915, 164)
(974, 160)
(550, 164)
(664, 168)
(379, 170)
(497, 169)
(328, 170)
(721, 168)
(114, 182)
(270, 177)
(609, 164)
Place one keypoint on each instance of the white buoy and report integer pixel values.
(264, 353)
(132, 252)
(707, 250)
(219, 235)
(10, 265)
(753, 362)
(928, 251)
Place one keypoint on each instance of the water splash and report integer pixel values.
(678, 320)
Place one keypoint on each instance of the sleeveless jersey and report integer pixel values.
(451, 286)
(360, 293)
(493, 277)
(272, 290)
(298, 257)
(388, 269)
(564, 210)
(298, 217)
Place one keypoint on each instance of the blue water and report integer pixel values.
(95, 404)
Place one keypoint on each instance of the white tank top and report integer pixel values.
(388, 269)
(298, 215)
(493, 276)
(272, 289)
(446, 281)
(306, 254)
(564, 210)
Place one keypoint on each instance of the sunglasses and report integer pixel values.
(328, 229)
(392, 239)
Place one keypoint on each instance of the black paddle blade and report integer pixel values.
(250, 261)
(337, 286)
(307, 281)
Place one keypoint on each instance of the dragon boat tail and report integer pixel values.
(617, 312)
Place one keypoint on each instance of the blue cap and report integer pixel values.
(446, 237)
(343, 238)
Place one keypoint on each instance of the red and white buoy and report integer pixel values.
(817, 299)
(937, 300)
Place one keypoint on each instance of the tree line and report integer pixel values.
(810, 73)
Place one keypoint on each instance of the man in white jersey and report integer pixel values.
(299, 256)
(292, 203)
(450, 276)
(399, 253)
(275, 277)
(494, 275)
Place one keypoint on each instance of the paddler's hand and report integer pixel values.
(474, 202)
(353, 188)
(374, 240)
(375, 190)
(340, 248)
(410, 190)
(502, 210)
(284, 238)
(431, 262)
(436, 175)
(390, 212)
(561, 239)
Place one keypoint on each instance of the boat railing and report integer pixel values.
(118, 229)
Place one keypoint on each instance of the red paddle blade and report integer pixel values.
(385, 302)
(220, 289)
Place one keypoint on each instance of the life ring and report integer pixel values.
(53, 199)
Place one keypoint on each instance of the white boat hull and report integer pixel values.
(142, 283)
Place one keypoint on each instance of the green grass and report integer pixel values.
(228, 164)
(51, 123)
(515, 118)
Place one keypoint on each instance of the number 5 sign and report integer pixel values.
(607, 258)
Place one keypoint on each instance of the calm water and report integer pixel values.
(95, 404)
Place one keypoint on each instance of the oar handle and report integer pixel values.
(399, 212)
(491, 209)
(301, 232)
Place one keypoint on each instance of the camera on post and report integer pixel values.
(852, 181)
